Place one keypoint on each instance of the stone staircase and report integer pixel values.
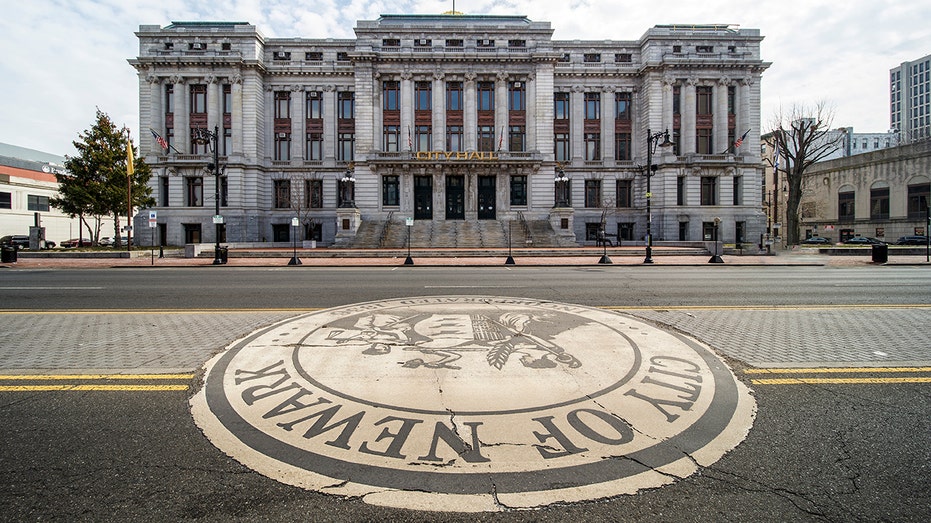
(456, 234)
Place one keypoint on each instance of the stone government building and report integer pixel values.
(460, 122)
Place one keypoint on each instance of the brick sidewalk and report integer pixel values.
(429, 258)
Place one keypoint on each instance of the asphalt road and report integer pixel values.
(221, 287)
(855, 447)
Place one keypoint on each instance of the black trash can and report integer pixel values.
(221, 256)
(8, 254)
(880, 253)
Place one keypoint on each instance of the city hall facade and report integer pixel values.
(449, 118)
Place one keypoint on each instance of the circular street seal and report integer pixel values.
(471, 403)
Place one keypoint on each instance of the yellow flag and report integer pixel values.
(129, 159)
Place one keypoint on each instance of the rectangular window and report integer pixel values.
(845, 206)
(194, 191)
(879, 203)
(314, 194)
(454, 138)
(703, 100)
(37, 203)
(737, 189)
(454, 42)
(391, 42)
(198, 99)
(486, 138)
(423, 137)
(390, 95)
(423, 42)
(423, 96)
(453, 96)
(516, 138)
(314, 105)
(6, 200)
(282, 104)
(282, 56)
(622, 146)
(624, 194)
(592, 106)
(282, 193)
(224, 193)
(622, 106)
(485, 43)
(313, 56)
(703, 141)
(163, 191)
(591, 58)
(592, 146)
(392, 139)
(346, 105)
(623, 58)
(625, 231)
(704, 49)
(516, 97)
(709, 190)
(227, 99)
(314, 146)
(562, 106)
(342, 56)
(593, 193)
(486, 96)
(917, 201)
(561, 142)
(517, 43)
(680, 190)
(518, 190)
(282, 147)
(390, 191)
(346, 145)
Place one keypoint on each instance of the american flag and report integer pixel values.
(741, 139)
(158, 139)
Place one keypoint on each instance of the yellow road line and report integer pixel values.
(81, 388)
(54, 377)
(837, 370)
(148, 311)
(841, 381)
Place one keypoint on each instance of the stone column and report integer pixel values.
(214, 115)
(298, 127)
(531, 94)
(378, 107)
(577, 123)
(608, 114)
(720, 142)
(156, 115)
(182, 131)
(668, 85)
(329, 124)
(743, 116)
(438, 107)
(266, 150)
(237, 113)
(688, 117)
(407, 110)
(469, 114)
(501, 111)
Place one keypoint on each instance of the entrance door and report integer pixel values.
(486, 198)
(423, 198)
(455, 194)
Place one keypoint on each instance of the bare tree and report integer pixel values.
(801, 138)
(296, 195)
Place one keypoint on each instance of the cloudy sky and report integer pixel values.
(64, 58)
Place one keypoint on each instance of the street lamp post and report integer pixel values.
(562, 184)
(652, 144)
(346, 186)
(210, 138)
(716, 258)
(295, 223)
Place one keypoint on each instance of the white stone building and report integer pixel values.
(451, 118)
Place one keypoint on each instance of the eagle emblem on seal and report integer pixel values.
(437, 340)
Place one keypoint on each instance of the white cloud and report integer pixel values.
(64, 58)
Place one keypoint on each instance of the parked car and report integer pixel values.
(912, 240)
(817, 240)
(74, 242)
(864, 240)
(105, 241)
(19, 241)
